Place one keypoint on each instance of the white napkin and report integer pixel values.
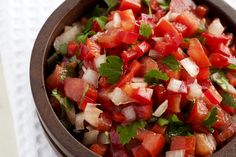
(20, 22)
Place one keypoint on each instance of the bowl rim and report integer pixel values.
(53, 127)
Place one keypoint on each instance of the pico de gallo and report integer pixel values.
(146, 78)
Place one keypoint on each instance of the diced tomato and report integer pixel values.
(129, 37)
(165, 27)
(127, 20)
(139, 151)
(54, 79)
(105, 101)
(105, 122)
(180, 6)
(143, 111)
(219, 60)
(148, 64)
(118, 117)
(204, 74)
(174, 101)
(128, 55)
(223, 50)
(84, 53)
(159, 129)
(142, 48)
(214, 41)
(83, 102)
(111, 38)
(135, 67)
(190, 21)
(99, 149)
(212, 95)
(135, 5)
(72, 48)
(223, 118)
(92, 93)
(198, 113)
(204, 147)
(230, 110)
(201, 11)
(154, 143)
(125, 78)
(103, 82)
(231, 75)
(94, 48)
(143, 95)
(179, 54)
(197, 53)
(227, 132)
(187, 143)
(160, 92)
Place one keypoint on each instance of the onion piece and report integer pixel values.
(137, 79)
(115, 23)
(104, 138)
(177, 86)
(118, 97)
(216, 27)
(176, 153)
(153, 54)
(161, 109)
(91, 77)
(66, 36)
(70, 114)
(138, 85)
(129, 113)
(79, 121)
(99, 60)
(190, 66)
(91, 114)
(212, 141)
(195, 90)
(90, 137)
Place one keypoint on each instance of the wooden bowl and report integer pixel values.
(71, 10)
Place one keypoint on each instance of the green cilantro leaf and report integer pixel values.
(63, 49)
(228, 100)
(162, 121)
(111, 4)
(63, 101)
(186, 40)
(211, 119)
(202, 27)
(88, 25)
(220, 79)
(81, 38)
(126, 133)
(172, 63)
(112, 69)
(102, 20)
(153, 76)
(145, 30)
(232, 66)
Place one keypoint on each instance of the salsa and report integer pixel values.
(146, 78)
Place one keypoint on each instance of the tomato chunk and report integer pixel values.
(127, 20)
(135, 5)
(54, 79)
(187, 143)
(99, 149)
(212, 95)
(143, 95)
(198, 113)
(111, 38)
(139, 151)
(219, 60)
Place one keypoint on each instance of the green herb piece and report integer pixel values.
(84, 93)
(111, 4)
(145, 30)
(53, 60)
(220, 79)
(102, 20)
(153, 76)
(172, 63)
(202, 27)
(88, 25)
(186, 40)
(162, 121)
(63, 101)
(164, 4)
(126, 133)
(147, 3)
(232, 66)
(96, 11)
(174, 119)
(63, 49)
(81, 38)
(211, 119)
(112, 69)
(228, 99)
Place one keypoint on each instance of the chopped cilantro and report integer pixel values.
(102, 20)
(153, 76)
(111, 4)
(228, 99)
(211, 119)
(162, 121)
(84, 93)
(172, 63)
(164, 4)
(81, 38)
(126, 133)
(88, 25)
(186, 40)
(63, 101)
(220, 79)
(202, 27)
(112, 69)
(63, 49)
(145, 30)
(232, 66)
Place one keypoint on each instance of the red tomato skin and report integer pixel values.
(135, 5)
(110, 39)
(190, 21)
(154, 143)
(105, 122)
(82, 104)
(159, 129)
(218, 60)
(129, 37)
(128, 55)
(201, 11)
(142, 95)
(148, 64)
(184, 142)
(160, 93)
(143, 111)
(214, 41)
(174, 101)
(135, 67)
(94, 48)
(223, 118)
(127, 20)
(204, 74)
(230, 110)
(197, 53)
(72, 48)
(179, 54)
(198, 113)
(125, 78)
(212, 95)
(142, 48)
(99, 149)
(227, 132)
(139, 151)
(54, 79)
(118, 117)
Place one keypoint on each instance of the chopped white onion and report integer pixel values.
(177, 86)
(91, 114)
(99, 60)
(176, 153)
(104, 138)
(90, 137)
(67, 28)
(161, 109)
(205, 144)
(79, 121)
(91, 77)
(118, 97)
(195, 90)
(212, 142)
(137, 79)
(115, 23)
(153, 54)
(66, 36)
(129, 113)
(138, 85)
(216, 27)
(70, 114)
(190, 66)
(158, 39)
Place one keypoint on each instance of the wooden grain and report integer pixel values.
(61, 140)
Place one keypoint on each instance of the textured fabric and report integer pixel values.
(20, 22)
